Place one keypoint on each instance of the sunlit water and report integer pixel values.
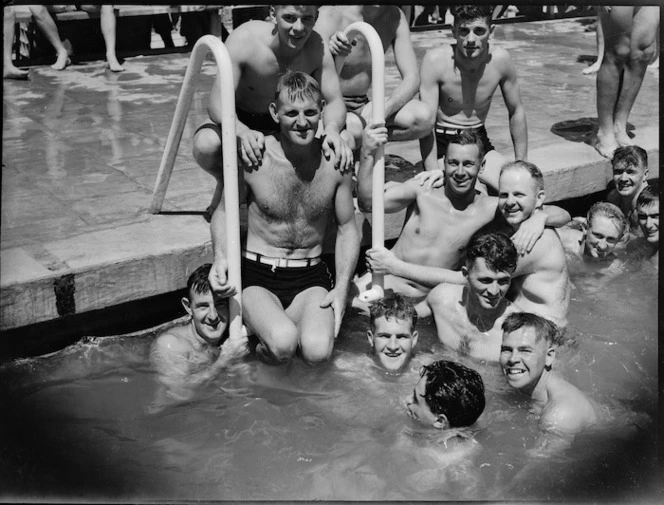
(76, 423)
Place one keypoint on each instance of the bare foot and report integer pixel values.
(605, 144)
(592, 69)
(12, 72)
(113, 63)
(622, 138)
(62, 62)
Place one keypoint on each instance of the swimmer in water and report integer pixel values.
(469, 317)
(647, 211)
(630, 169)
(459, 81)
(392, 336)
(187, 356)
(527, 355)
(596, 238)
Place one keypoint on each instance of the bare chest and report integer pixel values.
(468, 94)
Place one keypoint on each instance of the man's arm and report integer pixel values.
(346, 250)
(532, 228)
(334, 114)
(429, 91)
(241, 47)
(380, 260)
(397, 195)
(517, 114)
(219, 272)
(406, 61)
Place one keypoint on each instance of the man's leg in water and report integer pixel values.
(315, 325)
(207, 153)
(278, 335)
(642, 50)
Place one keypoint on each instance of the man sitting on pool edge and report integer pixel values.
(187, 356)
(392, 334)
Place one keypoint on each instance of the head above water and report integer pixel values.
(520, 191)
(294, 24)
(544, 329)
(630, 170)
(472, 30)
(647, 211)
(209, 314)
(606, 227)
(462, 162)
(297, 108)
(392, 334)
(496, 249)
(448, 395)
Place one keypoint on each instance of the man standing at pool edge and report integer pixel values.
(459, 81)
(287, 295)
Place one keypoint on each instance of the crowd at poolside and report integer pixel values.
(480, 253)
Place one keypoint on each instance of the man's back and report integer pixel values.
(289, 208)
(435, 232)
(541, 280)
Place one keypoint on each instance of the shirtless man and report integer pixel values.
(647, 211)
(460, 80)
(187, 356)
(288, 298)
(407, 118)
(540, 283)
(261, 52)
(630, 40)
(630, 170)
(527, 354)
(469, 317)
(439, 221)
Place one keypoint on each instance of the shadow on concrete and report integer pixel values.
(581, 130)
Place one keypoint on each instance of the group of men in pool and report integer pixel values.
(490, 269)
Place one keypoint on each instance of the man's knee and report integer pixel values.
(417, 118)
(644, 54)
(317, 353)
(619, 53)
(281, 342)
(435, 298)
(38, 11)
(207, 148)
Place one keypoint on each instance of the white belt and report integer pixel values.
(454, 131)
(281, 262)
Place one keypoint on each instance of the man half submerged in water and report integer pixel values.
(185, 357)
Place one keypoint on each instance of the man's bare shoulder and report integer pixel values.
(569, 410)
(441, 56)
(330, 20)
(249, 35)
(501, 58)
(172, 341)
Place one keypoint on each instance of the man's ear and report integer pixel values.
(441, 422)
(540, 199)
(273, 15)
(415, 335)
(493, 27)
(370, 338)
(464, 271)
(273, 112)
(186, 304)
(550, 357)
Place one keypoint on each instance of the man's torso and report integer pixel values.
(287, 213)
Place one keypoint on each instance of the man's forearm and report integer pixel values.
(365, 181)
(519, 133)
(425, 275)
(403, 94)
(218, 230)
(334, 116)
(347, 251)
(555, 216)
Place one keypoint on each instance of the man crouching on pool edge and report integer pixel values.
(392, 336)
(187, 356)
(288, 296)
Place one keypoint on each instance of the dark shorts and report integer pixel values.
(356, 103)
(260, 122)
(444, 135)
(285, 283)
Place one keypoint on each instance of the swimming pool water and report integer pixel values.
(76, 423)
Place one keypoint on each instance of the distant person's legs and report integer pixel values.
(630, 35)
(9, 71)
(48, 26)
(108, 31)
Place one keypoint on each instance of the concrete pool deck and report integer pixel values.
(81, 151)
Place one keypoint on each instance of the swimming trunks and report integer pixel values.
(356, 103)
(285, 282)
(260, 122)
(444, 135)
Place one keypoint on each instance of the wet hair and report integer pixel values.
(497, 249)
(466, 13)
(609, 211)
(629, 156)
(544, 329)
(393, 306)
(467, 137)
(455, 391)
(198, 281)
(531, 168)
(648, 195)
(298, 86)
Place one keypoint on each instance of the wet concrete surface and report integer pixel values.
(82, 147)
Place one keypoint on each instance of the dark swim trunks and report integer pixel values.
(444, 134)
(285, 283)
(260, 122)
(356, 103)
